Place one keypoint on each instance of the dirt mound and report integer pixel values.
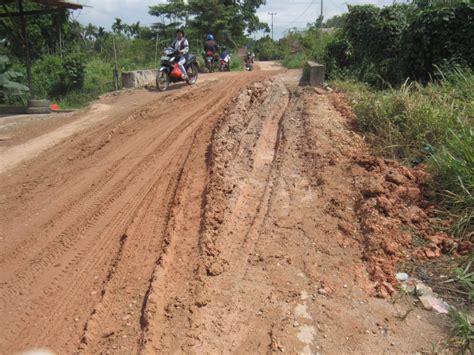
(396, 219)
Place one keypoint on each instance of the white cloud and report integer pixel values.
(103, 12)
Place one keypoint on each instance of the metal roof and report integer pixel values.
(59, 3)
(50, 3)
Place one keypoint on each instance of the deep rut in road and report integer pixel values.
(221, 218)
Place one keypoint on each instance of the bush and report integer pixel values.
(11, 88)
(295, 61)
(98, 79)
(236, 62)
(438, 35)
(399, 41)
(47, 73)
(72, 76)
(55, 77)
(266, 49)
(338, 55)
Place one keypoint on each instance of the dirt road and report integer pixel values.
(209, 219)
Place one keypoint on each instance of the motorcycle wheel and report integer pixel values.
(192, 74)
(162, 81)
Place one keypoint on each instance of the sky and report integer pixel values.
(289, 13)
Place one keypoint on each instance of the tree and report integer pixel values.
(337, 21)
(432, 3)
(43, 31)
(118, 26)
(90, 32)
(228, 20)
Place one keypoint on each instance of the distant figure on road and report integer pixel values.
(249, 58)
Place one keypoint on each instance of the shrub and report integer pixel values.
(437, 35)
(11, 88)
(295, 61)
(72, 76)
(55, 77)
(236, 62)
(47, 73)
(399, 41)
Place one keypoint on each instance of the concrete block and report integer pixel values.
(313, 74)
(139, 78)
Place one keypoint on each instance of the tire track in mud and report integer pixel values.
(84, 248)
(170, 325)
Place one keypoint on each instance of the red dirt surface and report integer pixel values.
(240, 215)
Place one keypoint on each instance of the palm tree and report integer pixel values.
(91, 32)
(118, 27)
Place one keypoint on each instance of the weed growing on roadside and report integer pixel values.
(465, 277)
(462, 331)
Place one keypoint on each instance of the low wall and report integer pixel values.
(313, 74)
(12, 110)
(139, 78)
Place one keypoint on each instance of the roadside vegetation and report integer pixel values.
(74, 63)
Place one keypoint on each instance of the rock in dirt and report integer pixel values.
(431, 302)
(402, 276)
(421, 289)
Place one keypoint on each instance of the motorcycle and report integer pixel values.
(224, 64)
(210, 60)
(170, 71)
(248, 66)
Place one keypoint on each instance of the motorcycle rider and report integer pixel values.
(211, 46)
(249, 58)
(181, 45)
(224, 54)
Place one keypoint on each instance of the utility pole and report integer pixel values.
(24, 35)
(272, 14)
(322, 1)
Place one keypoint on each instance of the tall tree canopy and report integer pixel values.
(227, 20)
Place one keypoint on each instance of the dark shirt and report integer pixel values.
(211, 46)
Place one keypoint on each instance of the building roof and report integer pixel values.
(50, 3)
(59, 3)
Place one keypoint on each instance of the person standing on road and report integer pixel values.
(181, 45)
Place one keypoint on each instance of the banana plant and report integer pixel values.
(10, 88)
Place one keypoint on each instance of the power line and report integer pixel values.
(298, 17)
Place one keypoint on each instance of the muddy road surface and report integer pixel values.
(207, 219)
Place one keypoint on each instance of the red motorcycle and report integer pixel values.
(211, 62)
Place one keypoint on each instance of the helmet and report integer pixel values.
(210, 37)
(249, 54)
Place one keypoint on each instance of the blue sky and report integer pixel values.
(290, 13)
